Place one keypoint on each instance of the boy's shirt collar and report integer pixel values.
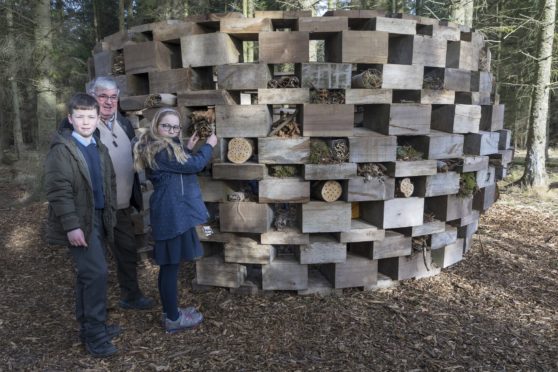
(84, 141)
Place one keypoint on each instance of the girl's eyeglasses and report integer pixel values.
(171, 128)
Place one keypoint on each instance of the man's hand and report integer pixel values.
(76, 238)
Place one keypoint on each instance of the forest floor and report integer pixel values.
(497, 310)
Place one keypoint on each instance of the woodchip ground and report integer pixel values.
(497, 310)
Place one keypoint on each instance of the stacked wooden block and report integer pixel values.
(432, 94)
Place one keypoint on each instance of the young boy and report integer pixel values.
(81, 191)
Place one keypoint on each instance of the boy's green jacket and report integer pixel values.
(69, 191)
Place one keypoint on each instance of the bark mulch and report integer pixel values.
(495, 310)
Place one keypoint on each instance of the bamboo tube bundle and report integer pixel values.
(160, 100)
(405, 188)
(368, 79)
(328, 191)
(240, 150)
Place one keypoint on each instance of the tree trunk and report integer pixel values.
(248, 47)
(121, 19)
(17, 133)
(46, 93)
(462, 12)
(535, 168)
(95, 21)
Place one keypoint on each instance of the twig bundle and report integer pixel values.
(284, 82)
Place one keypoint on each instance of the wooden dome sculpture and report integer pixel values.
(367, 167)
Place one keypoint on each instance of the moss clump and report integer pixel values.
(320, 153)
(467, 185)
(283, 171)
(408, 153)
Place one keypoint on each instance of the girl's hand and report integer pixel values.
(192, 141)
(211, 140)
(76, 238)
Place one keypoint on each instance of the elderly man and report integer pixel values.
(116, 134)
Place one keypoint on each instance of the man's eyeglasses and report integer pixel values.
(104, 98)
(171, 128)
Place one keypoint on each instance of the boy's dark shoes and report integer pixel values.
(140, 303)
(100, 349)
(113, 330)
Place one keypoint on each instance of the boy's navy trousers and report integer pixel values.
(91, 282)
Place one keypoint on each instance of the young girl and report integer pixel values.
(176, 206)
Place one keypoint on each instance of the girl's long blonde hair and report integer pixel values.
(150, 143)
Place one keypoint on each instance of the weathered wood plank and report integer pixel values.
(361, 189)
(329, 171)
(245, 217)
(359, 47)
(283, 190)
(438, 145)
(457, 80)
(321, 217)
(248, 251)
(322, 249)
(402, 76)
(146, 57)
(327, 120)
(429, 51)
(361, 231)
(284, 273)
(370, 147)
(448, 255)
(322, 26)
(246, 171)
(245, 27)
(471, 163)
(209, 50)
(284, 47)
(417, 265)
(411, 168)
(481, 143)
(275, 150)
(398, 119)
(456, 118)
(205, 98)
(181, 79)
(437, 184)
(462, 54)
(437, 97)
(446, 237)
(242, 121)
(368, 96)
(492, 117)
(354, 272)
(214, 271)
(393, 213)
(287, 236)
(283, 96)
(449, 207)
(243, 76)
(395, 25)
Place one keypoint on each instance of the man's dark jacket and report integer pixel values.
(136, 199)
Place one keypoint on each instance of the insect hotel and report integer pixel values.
(356, 149)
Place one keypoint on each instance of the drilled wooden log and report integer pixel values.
(328, 191)
(240, 150)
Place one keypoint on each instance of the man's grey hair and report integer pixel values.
(102, 82)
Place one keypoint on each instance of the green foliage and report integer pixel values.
(320, 153)
(408, 153)
(467, 184)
